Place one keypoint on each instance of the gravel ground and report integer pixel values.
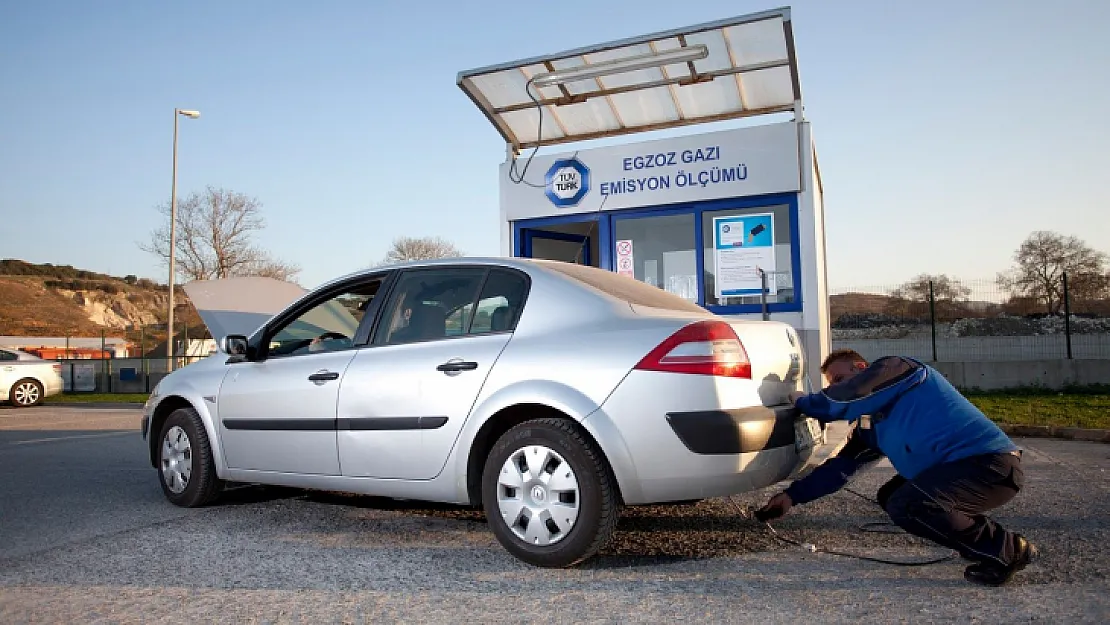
(85, 536)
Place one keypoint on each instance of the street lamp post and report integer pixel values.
(173, 235)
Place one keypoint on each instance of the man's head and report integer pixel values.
(842, 365)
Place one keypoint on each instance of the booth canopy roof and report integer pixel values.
(751, 70)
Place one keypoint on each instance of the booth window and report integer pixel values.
(663, 251)
(660, 245)
(780, 278)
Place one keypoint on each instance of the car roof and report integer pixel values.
(524, 264)
(19, 353)
(241, 305)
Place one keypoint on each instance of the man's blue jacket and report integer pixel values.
(917, 419)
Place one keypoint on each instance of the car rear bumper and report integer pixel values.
(54, 385)
(736, 431)
(674, 444)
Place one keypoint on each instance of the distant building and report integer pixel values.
(190, 350)
(73, 353)
(199, 348)
(78, 347)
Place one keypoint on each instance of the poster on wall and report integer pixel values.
(626, 264)
(742, 246)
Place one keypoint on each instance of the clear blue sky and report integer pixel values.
(947, 131)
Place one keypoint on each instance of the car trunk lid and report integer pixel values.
(776, 356)
(773, 349)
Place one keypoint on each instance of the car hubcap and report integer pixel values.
(26, 394)
(537, 493)
(177, 459)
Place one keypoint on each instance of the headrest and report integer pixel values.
(500, 319)
(428, 321)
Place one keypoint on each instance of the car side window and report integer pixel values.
(328, 326)
(500, 303)
(430, 304)
(4, 355)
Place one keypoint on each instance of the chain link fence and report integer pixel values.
(118, 364)
(117, 375)
(969, 321)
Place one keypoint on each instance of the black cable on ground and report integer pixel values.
(875, 527)
(812, 548)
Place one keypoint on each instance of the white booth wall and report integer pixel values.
(643, 192)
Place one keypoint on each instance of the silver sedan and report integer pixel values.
(548, 394)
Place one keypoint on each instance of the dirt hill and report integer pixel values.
(60, 300)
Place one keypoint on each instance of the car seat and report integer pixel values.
(501, 319)
(428, 322)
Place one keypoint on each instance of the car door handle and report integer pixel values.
(457, 365)
(323, 376)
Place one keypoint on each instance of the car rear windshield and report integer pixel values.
(623, 288)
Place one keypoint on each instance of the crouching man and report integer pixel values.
(953, 463)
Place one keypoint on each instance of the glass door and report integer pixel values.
(659, 248)
(567, 247)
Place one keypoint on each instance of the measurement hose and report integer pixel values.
(874, 527)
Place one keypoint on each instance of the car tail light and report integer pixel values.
(701, 348)
(58, 368)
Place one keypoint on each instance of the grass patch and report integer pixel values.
(98, 398)
(1086, 409)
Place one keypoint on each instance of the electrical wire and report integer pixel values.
(518, 177)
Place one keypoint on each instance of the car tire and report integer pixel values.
(186, 470)
(26, 393)
(563, 512)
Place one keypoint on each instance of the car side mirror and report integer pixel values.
(234, 345)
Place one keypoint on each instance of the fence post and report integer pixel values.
(104, 362)
(1067, 315)
(142, 354)
(933, 318)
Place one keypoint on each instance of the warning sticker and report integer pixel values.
(625, 262)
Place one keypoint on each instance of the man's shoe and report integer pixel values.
(993, 574)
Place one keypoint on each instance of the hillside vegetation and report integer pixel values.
(60, 300)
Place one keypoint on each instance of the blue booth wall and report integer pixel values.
(610, 226)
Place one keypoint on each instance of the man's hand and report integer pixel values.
(778, 505)
(795, 395)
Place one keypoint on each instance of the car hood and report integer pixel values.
(240, 305)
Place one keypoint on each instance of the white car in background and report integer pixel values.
(549, 394)
(26, 380)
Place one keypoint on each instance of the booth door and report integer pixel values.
(560, 246)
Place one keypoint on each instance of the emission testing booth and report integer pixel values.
(731, 220)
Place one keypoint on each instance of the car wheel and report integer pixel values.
(185, 461)
(26, 393)
(548, 493)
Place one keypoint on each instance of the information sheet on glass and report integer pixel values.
(742, 246)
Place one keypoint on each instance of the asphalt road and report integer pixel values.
(86, 536)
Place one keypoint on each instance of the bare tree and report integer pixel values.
(1042, 260)
(420, 248)
(912, 298)
(214, 231)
